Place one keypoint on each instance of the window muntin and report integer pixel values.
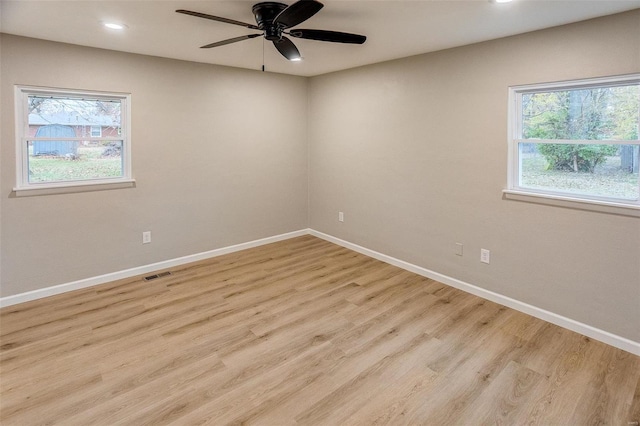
(577, 139)
(71, 138)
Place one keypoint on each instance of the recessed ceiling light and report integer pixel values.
(501, 1)
(114, 26)
(296, 59)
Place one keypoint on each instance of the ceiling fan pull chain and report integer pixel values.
(263, 54)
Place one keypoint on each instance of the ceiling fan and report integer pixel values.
(275, 20)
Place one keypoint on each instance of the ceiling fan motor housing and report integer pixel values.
(265, 13)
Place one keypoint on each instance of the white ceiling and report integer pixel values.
(394, 29)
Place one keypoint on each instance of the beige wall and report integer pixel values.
(219, 158)
(414, 152)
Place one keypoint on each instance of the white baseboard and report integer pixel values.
(127, 273)
(568, 323)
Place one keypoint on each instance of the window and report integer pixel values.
(96, 131)
(576, 141)
(54, 149)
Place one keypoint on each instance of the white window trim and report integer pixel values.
(24, 187)
(563, 199)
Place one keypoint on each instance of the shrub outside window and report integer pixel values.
(71, 138)
(577, 140)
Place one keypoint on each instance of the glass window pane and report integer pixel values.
(70, 160)
(595, 170)
(596, 113)
(84, 117)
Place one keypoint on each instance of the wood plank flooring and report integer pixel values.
(300, 332)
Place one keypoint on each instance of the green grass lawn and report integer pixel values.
(89, 164)
(608, 180)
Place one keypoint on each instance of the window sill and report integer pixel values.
(73, 188)
(573, 203)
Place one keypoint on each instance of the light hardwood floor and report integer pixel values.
(301, 332)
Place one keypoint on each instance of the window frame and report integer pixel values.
(558, 197)
(23, 186)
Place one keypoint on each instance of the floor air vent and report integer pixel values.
(154, 276)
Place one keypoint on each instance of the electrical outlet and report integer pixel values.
(485, 256)
(146, 237)
(459, 248)
(341, 216)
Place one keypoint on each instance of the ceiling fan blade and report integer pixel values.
(217, 18)
(229, 41)
(332, 36)
(298, 12)
(287, 48)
